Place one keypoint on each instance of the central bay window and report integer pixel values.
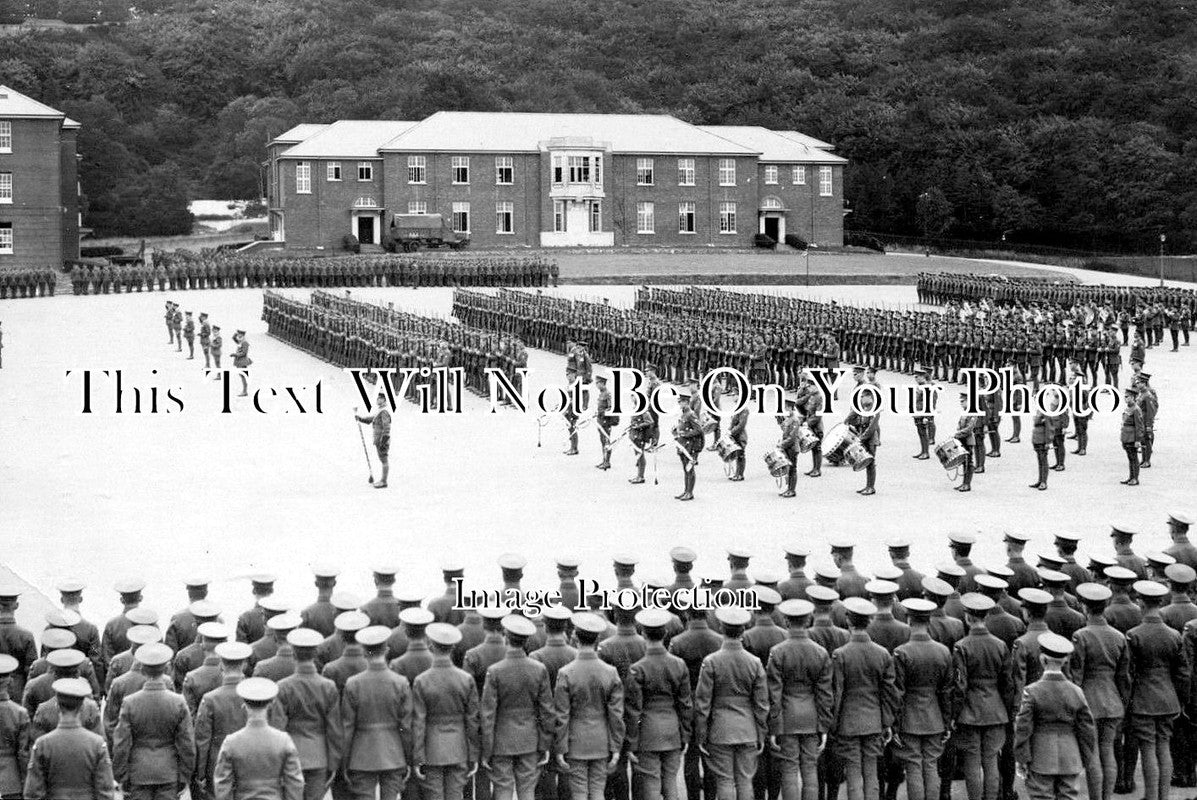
(645, 223)
(417, 169)
(727, 217)
(461, 217)
(685, 214)
(727, 172)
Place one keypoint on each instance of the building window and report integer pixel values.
(303, 178)
(770, 173)
(334, 170)
(505, 217)
(579, 169)
(685, 217)
(644, 172)
(645, 222)
(598, 170)
(5, 187)
(727, 217)
(558, 169)
(558, 216)
(5, 137)
(417, 207)
(596, 216)
(685, 172)
(798, 175)
(417, 169)
(825, 187)
(6, 238)
(461, 217)
(504, 171)
(365, 171)
(461, 169)
(727, 172)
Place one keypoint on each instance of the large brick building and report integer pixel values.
(544, 180)
(39, 184)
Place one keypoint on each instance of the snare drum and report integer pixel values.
(951, 453)
(857, 456)
(778, 463)
(728, 447)
(836, 441)
(807, 438)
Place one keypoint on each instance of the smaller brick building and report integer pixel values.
(39, 184)
(550, 180)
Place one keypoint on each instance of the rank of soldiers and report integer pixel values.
(1061, 672)
(942, 287)
(15, 283)
(180, 270)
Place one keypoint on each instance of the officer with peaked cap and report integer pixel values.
(352, 659)
(312, 706)
(416, 657)
(1181, 609)
(282, 662)
(1157, 562)
(851, 583)
(491, 649)
(153, 747)
(1004, 597)
(144, 630)
(824, 631)
(556, 651)
(192, 656)
(251, 625)
(731, 709)
(445, 720)
(207, 676)
(659, 705)
(765, 632)
(1066, 545)
(69, 761)
(319, 616)
(985, 684)
(682, 559)
(182, 628)
(14, 734)
(377, 712)
(1122, 612)
(923, 679)
(15, 641)
(798, 676)
(58, 639)
(794, 587)
(1101, 667)
(132, 681)
(1123, 534)
(961, 547)
(444, 608)
(910, 581)
(1054, 733)
(737, 561)
(953, 574)
(113, 640)
(517, 715)
(1061, 618)
(383, 608)
(1181, 548)
(334, 645)
(61, 662)
(258, 761)
(590, 710)
(266, 645)
(1000, 622)
(1025, 576)
(87, 635)
(944, 629)
(883, 628)
(866, 702)
(692, 646)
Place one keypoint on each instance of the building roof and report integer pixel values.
(809, 141)
(15, 104)
(300, 133)
(348, 138)
(510, 132)
(774, 146)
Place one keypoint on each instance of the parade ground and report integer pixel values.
(171, 494)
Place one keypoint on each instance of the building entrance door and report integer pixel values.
(773, 228)
(365, 229)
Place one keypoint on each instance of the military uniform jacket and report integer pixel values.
(382, 610)
(251, 625)
(984, 679)
(69, 763)
(622, 650)
(518, 716)
(280, 665)
(1101, 666)
(731, 701)
(1157, 667)
(221, 712)
(589, 705)
(762, 636)
(1004, 625)
(445, 717)
(658, 702)
(18, 643)
(376, 708)
(1184, 552)
(153, 741)
(483, 656)
(887, 631)
(862, 680)
(555, 654)
(693, 645)
(414, 660)
(46, 718)
(1024, 577)
(799, 679)
(923, 679)
(258, 763)
(351, 662)
(1123, 613)
(313, 708)
(825, 633)
(1054, 733)
(14, 746)
(320, 616)
(200, 681)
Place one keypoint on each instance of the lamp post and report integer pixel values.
(1163, 239)
(810, 246)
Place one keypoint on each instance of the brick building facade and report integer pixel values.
(39, 184)
(545, 180)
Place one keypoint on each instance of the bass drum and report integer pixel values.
(836, 442)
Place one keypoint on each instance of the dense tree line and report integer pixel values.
(1068, 122)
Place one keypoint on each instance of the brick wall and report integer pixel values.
(324, 217)
(36, 211)
(804, 204)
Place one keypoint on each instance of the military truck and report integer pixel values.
(410, 232)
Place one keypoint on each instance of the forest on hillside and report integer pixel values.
(1065, 122)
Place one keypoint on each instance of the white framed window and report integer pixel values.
(558, 169)
(685, 216)
(6, 188)
(558, 216)
(333, 171)
(365, 171)
(303, 177)
(770, 173)
(645, 218)
(461, 169)
(685, 172)
(644, 172)
(825, 186)
(417, 169)
(579, 169)
(461, 217)
(417, 207)
(798, 174)
(5, 136)
(727, 172)
(504, 170)
(598, 170)
(596, 216)
(727, 217)
(6, 238)
(505, 217)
